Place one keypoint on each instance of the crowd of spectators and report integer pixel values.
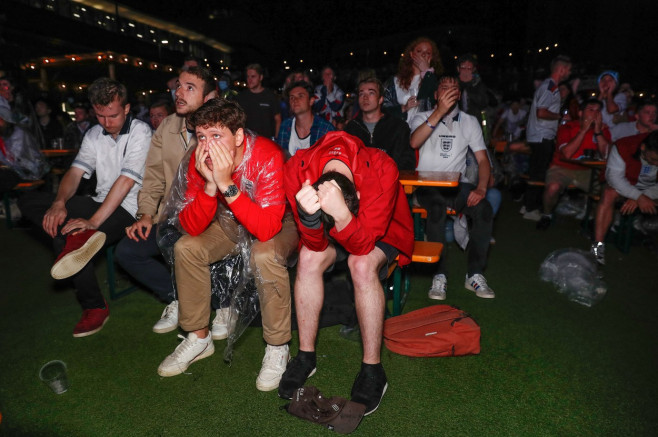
(308, 174)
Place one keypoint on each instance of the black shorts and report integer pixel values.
(390, 252)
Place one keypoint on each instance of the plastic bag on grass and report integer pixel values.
(575, 274)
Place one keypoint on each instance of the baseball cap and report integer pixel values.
(611, 73)
(335, 413)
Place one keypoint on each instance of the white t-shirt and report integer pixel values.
(295, 142)
(110, 158)
(404, 95)
(448, 144)
(513, 121)
(620, 100)
(546, 96)
(626, 129)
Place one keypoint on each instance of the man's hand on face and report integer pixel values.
(200, 154)
(308, 199)
(221, 156)
(332, 201)
(598, 122)
(586, 123)
(447, 100)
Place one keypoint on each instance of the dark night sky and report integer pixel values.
(596, 33)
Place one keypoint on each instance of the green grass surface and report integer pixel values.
(548, 367)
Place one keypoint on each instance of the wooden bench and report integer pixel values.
(22, 186)
(424, 252)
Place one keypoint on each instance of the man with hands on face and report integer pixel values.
(138, 252)
(80, 226)
(238, 177)
(573, 140)
(612, 103)
(444, 136)
(369, 240)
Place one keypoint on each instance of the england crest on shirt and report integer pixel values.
(446, 144)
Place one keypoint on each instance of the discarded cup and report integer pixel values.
(53, 374)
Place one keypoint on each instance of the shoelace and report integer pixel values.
(182, 348)
(167, 313)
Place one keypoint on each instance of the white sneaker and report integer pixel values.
(274, 364)
(533, 215)
(598, 250)
(190, 350)
(220, 324)
(439, 287)
(169, 319)
(478, 284)
(522, 210)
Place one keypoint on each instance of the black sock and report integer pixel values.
(376, 367)
(306, 356)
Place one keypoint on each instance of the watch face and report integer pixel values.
(231, 191)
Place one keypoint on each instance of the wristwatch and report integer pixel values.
(231, 191)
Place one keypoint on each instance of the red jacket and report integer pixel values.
(383, 207)
(262, 202)
(628, 148)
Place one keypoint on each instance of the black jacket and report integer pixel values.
(391, 134)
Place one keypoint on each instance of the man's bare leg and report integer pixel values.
(369, 300)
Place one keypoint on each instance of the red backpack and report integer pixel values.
(435, 331)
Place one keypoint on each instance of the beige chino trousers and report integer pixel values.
(193, 256)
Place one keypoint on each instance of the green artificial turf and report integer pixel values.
(548, 367)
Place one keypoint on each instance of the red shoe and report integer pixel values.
(91, 321)
(78, 251)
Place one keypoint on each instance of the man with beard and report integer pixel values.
(138, 252)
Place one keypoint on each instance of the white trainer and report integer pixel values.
(274, 364)
(169, 319)
(220, 324)
(439, 287)
(533, 215)
(478, 284)
(598, 250)
(190, 350)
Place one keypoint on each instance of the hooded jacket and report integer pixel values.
(384, 213)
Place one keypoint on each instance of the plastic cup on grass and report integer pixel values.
(54, 375)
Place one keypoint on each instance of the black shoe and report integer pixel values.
(370, 386)
(297, 372)
(543, 223)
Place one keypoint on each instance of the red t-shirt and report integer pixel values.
(262, 202)
(566, 133)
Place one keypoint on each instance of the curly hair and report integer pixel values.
(104, 90)
(406, 66)
(219, 112)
